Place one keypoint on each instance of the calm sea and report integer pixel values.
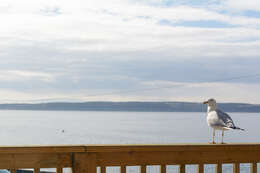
(80, 127)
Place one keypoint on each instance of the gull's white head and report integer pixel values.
(211, 103)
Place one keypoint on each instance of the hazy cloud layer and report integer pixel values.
(129, 49)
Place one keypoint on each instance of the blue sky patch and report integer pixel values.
(201, 24)
(250, 13)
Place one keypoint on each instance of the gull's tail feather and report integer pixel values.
(238, 128)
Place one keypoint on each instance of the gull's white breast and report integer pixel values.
(214, 121)
(212, 118)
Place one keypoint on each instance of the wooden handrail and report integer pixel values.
(86, 158)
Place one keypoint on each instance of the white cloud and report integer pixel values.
(242, 5)
(41, 39)
(197, 92)
(23, 75)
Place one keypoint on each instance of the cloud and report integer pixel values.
(81, 48)
(242, 5)
(18, 75)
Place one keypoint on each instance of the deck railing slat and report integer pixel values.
(143, 169)
(13, 170)
(200, 168)
(86, 159)
(103, 169)
(36, 170)
(236, 168)
(182, 168)
(123, 169)
(219, 168)
(253, 168)
(163, 168)
(59, 170)
(91, 163)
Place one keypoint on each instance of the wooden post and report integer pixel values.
(91, 163)
(219, 168)
(253, 168)
(79, 164)
(236, 168)
(182, 168)
(123, 169)
(143, 169)
(36, 170)
(59, 170)
(102, 169)
(200, 168)
(163, 168)
(13, 170)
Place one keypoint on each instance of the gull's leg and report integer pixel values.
(213, 142)
(222, 141)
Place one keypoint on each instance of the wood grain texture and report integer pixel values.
(42, 149)
(175, 157)
(143, 168)
(253, 168)
(102, 169)
(59, 170)
(182, 168)
(13, 170)
(85, 158)
(36, 170)
(174, 147)
(163, 169)
(200, 168)
(236, 168)
(219, 168)
(79, 163)
(91, 163)
(123, 169)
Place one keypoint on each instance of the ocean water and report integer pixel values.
(84, 127)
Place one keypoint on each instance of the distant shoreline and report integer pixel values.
(130, 106)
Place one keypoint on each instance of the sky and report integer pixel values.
(129, 50)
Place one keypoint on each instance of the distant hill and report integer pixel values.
(132, 106)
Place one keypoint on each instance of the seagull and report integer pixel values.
(218, 120)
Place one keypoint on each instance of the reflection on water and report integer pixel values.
(74, 127)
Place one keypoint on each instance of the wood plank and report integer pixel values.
(36, 170)
(163, 169)
(79, 163)
(13, 170)
(253, 168)
(200, 168)
(91, 163)
(219, 168)
(182, 168)
(6, 161)
(123, 169)
(143, 169)
(120, 155)
(102, 169)
(42, 149)
(128, 148)
(42, 160)
(173, 147)
(172, 158)
(59, 170)
(236, 168)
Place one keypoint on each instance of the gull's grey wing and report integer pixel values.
(225, 119)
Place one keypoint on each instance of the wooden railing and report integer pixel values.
(86, 159)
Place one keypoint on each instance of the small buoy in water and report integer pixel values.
(63, 131)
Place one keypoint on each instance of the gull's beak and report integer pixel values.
(206, 102)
